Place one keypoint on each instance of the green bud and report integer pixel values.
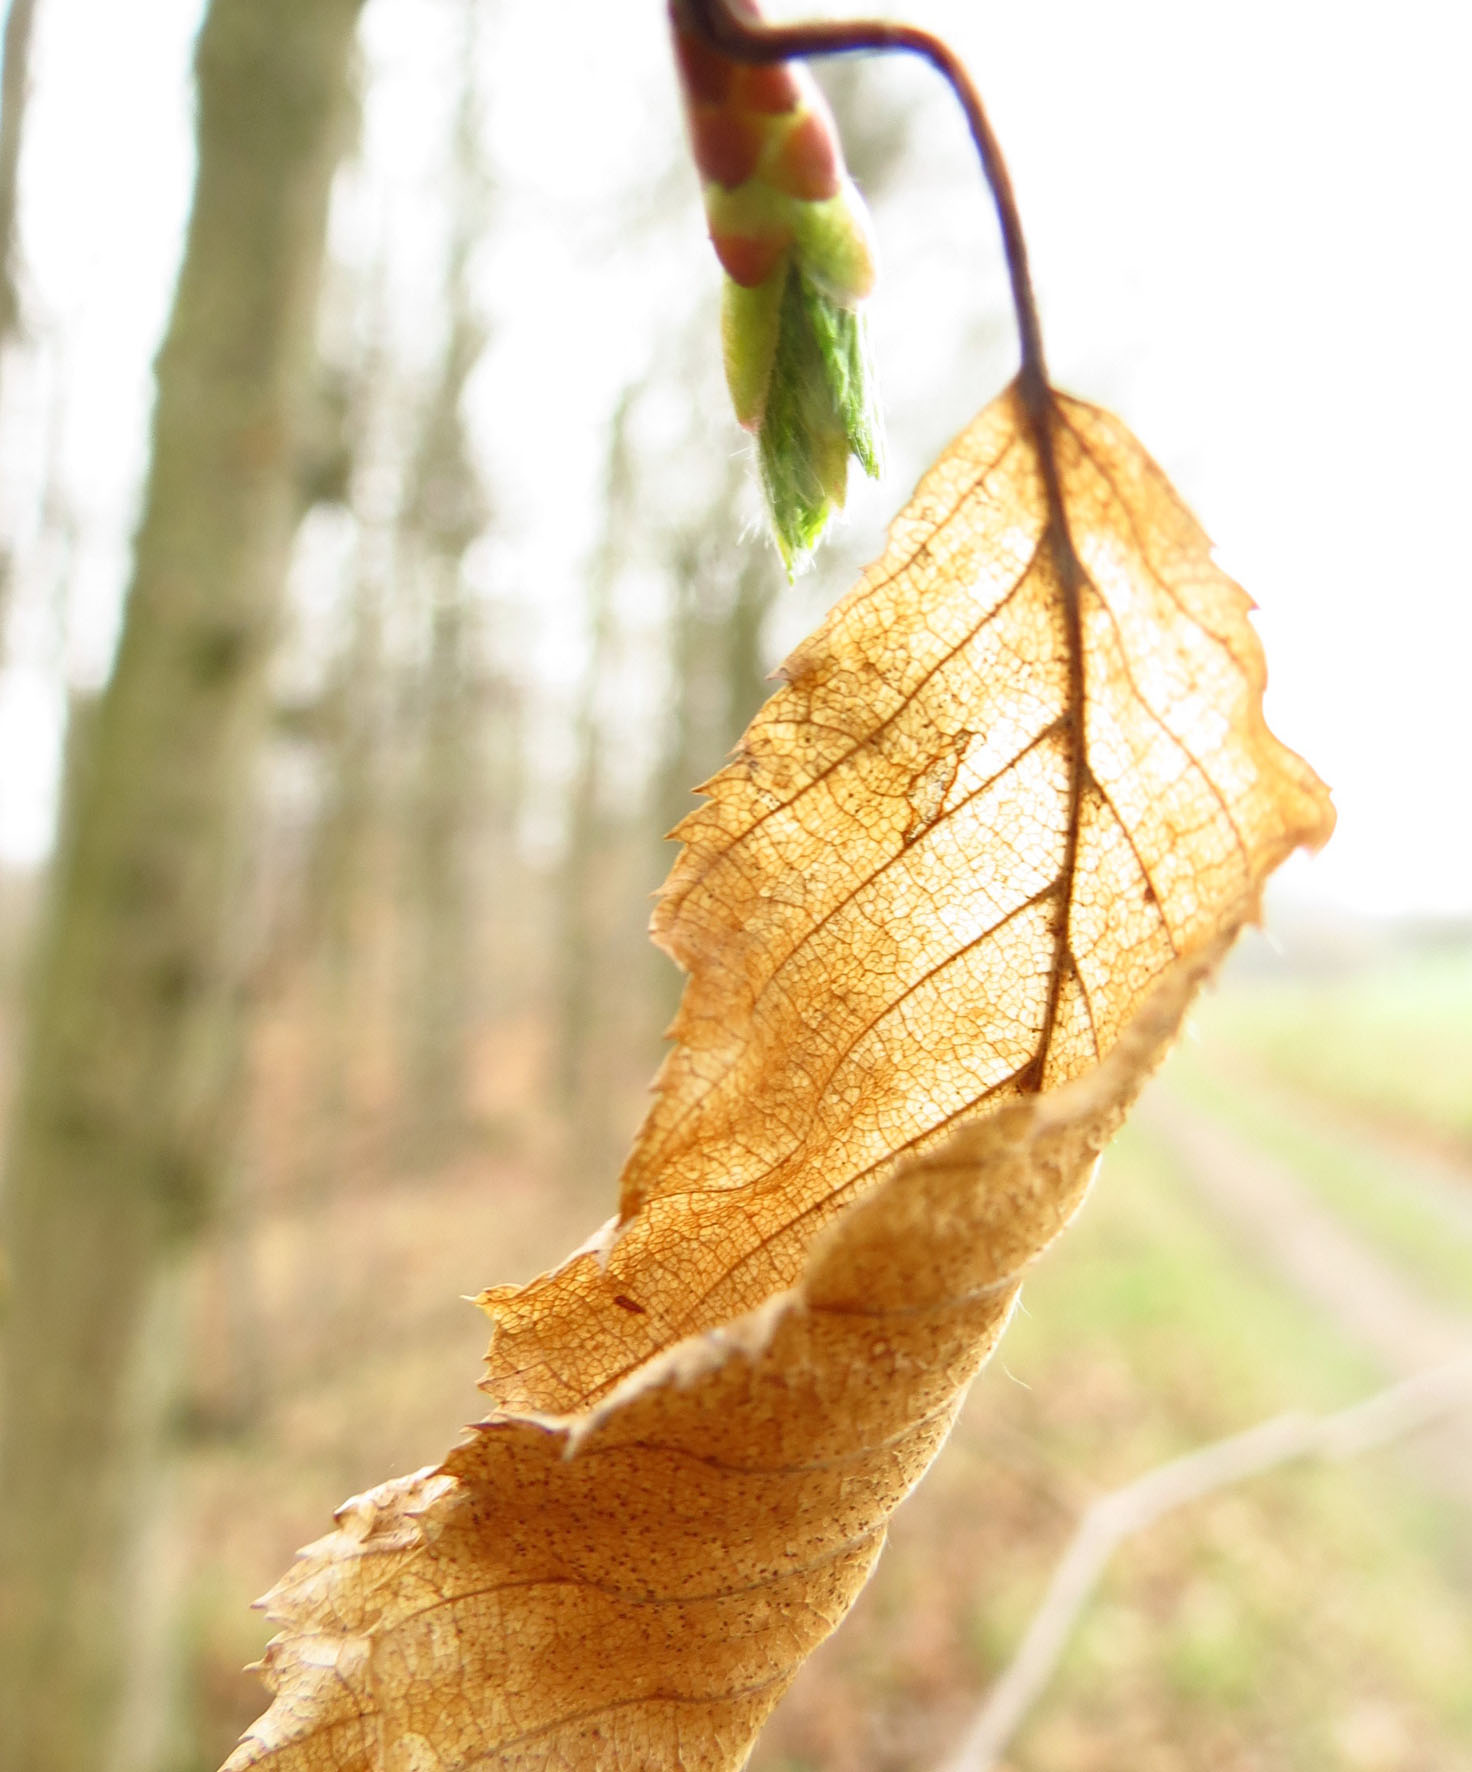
(834, 245)
(819, 410)
(750, 321)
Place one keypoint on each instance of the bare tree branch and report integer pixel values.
(1387, 1415)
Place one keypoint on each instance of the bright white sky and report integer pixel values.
(1250, 232)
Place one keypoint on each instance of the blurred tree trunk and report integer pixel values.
(127, 1093)
(747, 675)
(444, 515)
(442, 963)
(15, 80)
(344, 863)
(581, 1080)
(723, 590)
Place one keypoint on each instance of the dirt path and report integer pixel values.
(1439, 1174)
(1375, 1303)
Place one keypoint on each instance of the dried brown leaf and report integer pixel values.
(941, 915)
(885, 923)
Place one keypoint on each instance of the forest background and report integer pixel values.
(529, 606)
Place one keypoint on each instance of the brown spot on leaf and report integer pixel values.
(932, 784)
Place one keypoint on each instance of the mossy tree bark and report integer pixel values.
(127, 1089)
(15, 79)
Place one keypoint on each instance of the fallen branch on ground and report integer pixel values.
(1388, 1415)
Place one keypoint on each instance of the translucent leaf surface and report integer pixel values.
(932, 880)
(941, 914)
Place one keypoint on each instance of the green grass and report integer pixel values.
(1264, 1619)
(1317, 1618)
(1314, 1619)
(1365, 1185)
(1145, 1270)
(1393, 1041)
